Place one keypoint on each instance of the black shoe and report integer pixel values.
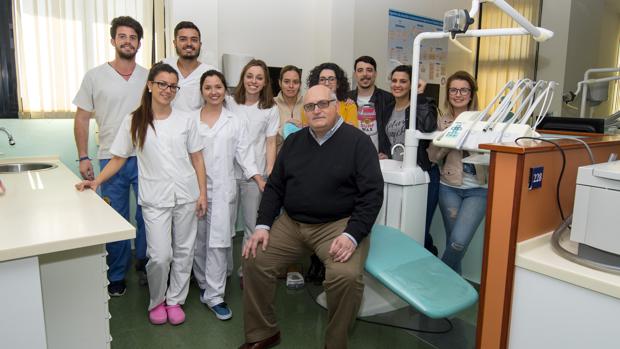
(310, 273)
(141, 270)
(314, 269)
(433, 249)
(320, 276)
(142, 278)
(117, 288)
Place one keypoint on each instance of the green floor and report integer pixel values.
(302, 322)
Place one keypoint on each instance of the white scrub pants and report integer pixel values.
(210, 264)
(249, 200)
(170, 239)
(249, 196)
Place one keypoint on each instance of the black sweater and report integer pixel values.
(320, 184)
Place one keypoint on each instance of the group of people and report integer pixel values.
(304, 170)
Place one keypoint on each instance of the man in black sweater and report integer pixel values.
(331, 191)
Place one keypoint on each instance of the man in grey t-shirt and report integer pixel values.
(110, 92)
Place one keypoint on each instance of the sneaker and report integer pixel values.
(117, 288)
(176, 315)
(221, 311)
(158, 315)
(294, 280)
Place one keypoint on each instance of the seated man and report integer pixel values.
(331, 191)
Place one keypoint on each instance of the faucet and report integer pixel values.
(11, 140)
(397, 145)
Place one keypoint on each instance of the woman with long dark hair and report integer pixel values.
(393, 132)
(172, 189)
(225, 141)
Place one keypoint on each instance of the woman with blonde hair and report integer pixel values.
(463, 186)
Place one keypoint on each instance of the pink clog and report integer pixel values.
(176, 315)
(158, 315)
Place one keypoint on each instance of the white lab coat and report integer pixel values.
(224, 143)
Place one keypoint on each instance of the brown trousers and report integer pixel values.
(288, 240)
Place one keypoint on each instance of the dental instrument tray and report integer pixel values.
(516, 103)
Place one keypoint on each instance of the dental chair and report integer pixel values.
(415, 275)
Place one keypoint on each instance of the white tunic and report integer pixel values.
(105, 92)
(224, 144)
(262, 123)
(165, 173)
(188, 98)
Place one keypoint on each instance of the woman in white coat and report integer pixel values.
(225, 140)
(172, 189)
(253, 100)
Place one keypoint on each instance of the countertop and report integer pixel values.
(42, 212)
(537, 255)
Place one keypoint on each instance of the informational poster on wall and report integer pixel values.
(403, 28)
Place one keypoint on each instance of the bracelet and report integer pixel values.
(83, 158)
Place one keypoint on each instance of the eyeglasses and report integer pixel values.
(464, 91)
(324, 79)
(164, 85)
(322, 104)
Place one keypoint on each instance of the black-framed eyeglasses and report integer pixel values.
(324, 79)
(322, 104)
(164, 85)
(463, 91)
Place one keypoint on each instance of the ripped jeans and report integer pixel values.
(462, 211)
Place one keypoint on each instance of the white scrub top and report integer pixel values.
(188, 98)
(105, 92)
(224, 144)
(165, 173)
(262, 123)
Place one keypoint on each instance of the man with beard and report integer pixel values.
(187, 43)
(110, 92)
(371, 100)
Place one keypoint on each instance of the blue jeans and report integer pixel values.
(116, 192)
(431, 204)
(462, 211)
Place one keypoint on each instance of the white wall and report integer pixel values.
(552, 54)
(587, 33)
(306, 33)
(371, 31)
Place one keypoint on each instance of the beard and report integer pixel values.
(365, 83)
(125, 55)
(188, 55)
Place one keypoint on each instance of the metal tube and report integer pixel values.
(535, 31)
(586, 81)
(411, 141)
(555, 243)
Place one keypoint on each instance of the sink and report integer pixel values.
(27, 166)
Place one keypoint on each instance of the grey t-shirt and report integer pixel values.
(395, 130)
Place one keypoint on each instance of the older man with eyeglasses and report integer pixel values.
(331, 192)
